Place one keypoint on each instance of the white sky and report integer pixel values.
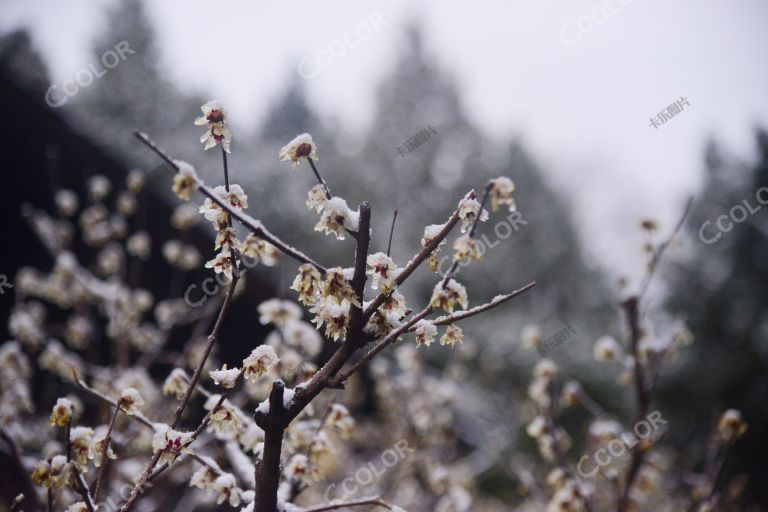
(582, 109)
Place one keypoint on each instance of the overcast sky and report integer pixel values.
(577, 80)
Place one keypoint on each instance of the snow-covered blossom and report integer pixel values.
(382, 323)
(466, 249)
(62, 412)
(81, 440)
(227, 242)
(453, 335)
(731, 425)
(203, 478)
(176, 383)
(257, 249)
(298, 467)
(425, 332)
(215, 117)
(170, 441)
(60, 472)
(99, 446)
(302, 146)
(469, 208)
(307, 283)
(41, 474)
(606, 349)
(66, 202)
(224, 420)
(278, 312)
(501, 193)
(394, 304)
(226, 378)
(340, 419)
(317, 197)
(226, 487)
(78, 506)
(214, 213)
(221, 264)
(130, 400)
(383, 270)
(261, 359)
(446, 298)
(336, 286)
(335, 316)
(430, 233)
(184, 181)
(337, 217)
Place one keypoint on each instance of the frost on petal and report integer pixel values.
(302, 146)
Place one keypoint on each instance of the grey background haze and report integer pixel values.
(582, 109)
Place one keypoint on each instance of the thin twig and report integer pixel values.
(255, 226)
(320, 179)
(381, 345)
(105, 451)
(417, 260)
(84, 491)
(391, 232)
(376, 501)
(471, 233)
(501, 299)
(659, 253)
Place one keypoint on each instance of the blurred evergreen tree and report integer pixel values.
(136, 94)
(22, 63)
(722, 288)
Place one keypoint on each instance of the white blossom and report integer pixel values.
(215, 117)
(226, 378)
(261, 359)
(302, 146)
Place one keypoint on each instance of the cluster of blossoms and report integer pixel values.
(316, 443)
(625, 469)
(214, 119)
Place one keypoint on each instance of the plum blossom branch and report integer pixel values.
(381, 345)
(246, 220)
(417, 260)
(498, 300)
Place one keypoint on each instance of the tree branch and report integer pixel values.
(255, 226)
(497, 301)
